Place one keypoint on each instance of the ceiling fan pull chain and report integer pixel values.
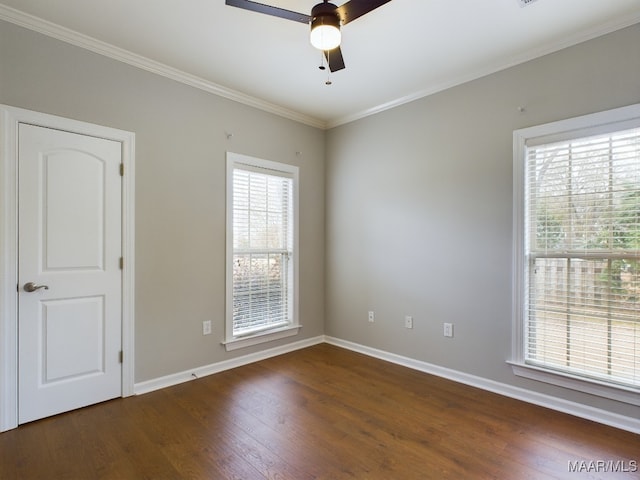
(322, 67)
(328, 82)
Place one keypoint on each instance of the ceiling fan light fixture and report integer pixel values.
(325, 37)
(325, 27)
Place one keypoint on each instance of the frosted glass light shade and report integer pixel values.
(325, 37)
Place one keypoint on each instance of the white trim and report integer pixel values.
(10, 117)
(72, 37)
(261, 164)
(605, 121)
(484, 71)
(262, 337)
(9, 273)
(193, 374)
(129, 263)
(593, 387)
(572, 408)
(518, 277)
(238, 160)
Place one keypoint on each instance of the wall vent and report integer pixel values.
(524, 3)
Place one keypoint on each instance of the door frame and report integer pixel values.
(10, 118)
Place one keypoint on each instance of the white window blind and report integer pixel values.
(263, 243)
(582, 249)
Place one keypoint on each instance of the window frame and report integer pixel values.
(231, 342)
(602, 122)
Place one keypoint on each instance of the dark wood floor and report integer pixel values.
(322, 412)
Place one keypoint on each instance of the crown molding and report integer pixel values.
(58, 32)
(540, 51)
(72, 37)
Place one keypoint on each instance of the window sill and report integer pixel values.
(593, 387)
(262, 337)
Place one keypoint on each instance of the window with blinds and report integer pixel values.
(262, 256)
(581, 265)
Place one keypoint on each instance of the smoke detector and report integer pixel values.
(524, 3)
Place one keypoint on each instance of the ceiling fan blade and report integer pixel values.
(356, 8)
(269, 10)
(334, 59)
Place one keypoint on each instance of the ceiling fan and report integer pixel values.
(325, 20)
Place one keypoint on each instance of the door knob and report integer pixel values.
(32, 287)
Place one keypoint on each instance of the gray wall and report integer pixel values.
(418, 199)
(419, 208)
(180, 187)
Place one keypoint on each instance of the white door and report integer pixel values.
(69, 249)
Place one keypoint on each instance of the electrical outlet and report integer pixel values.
(206, 327)
(408, 321)
(372, 317)
(448, 329)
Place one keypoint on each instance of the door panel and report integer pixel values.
(70, 330)
(65, 358)
(73, 208)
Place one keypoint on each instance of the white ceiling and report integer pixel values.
(401, 51)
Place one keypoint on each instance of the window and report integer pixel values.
(261, 251)
(577, 247)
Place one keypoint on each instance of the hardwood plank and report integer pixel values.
(319, 413)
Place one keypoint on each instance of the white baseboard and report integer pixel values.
(576, 409)
(187, 375)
